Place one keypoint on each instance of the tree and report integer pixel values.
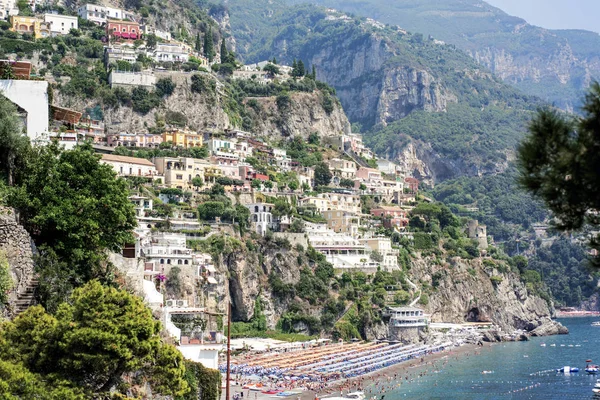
(13, 144)
(96, 338)
(224, 52)
(347, 183)
(198, 46)
(256, 184)
(313, 138)
(322, 174)
(271, 69)
(6, 282)
(17, 382)
(209, 50)
(197, 182)
(151, 41)
(297, 226)
(209, 210)
(559, 163)
(165, 86)
(72, 203)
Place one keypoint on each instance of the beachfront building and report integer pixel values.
(406, 324)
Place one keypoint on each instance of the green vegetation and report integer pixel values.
(74, 209)
(6, 282)
(90, 343)
(559, 164)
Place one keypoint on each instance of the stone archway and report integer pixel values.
(473, 315)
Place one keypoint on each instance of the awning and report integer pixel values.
(210, 268)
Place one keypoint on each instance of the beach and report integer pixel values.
(376, 383)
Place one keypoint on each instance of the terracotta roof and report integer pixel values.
(125, 159)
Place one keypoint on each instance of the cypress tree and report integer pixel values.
(198, 43)
(224, 52)
(209, 50)
(301, 70)
(314, 72)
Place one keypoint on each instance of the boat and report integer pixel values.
(553, 345)
(596, 388)
(597, 323)
(590, 368)
(567, 369)
(270, 391)
(543, 345)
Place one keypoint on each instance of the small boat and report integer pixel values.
(543, 345)
(597, 323)
(596, 388)
(567, 369)
(553, 345)
(270, 391)
(590, 368)
(487, 372)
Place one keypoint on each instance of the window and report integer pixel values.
(178, 176)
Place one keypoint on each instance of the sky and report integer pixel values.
(554, 14)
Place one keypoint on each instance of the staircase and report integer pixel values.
(26, 298)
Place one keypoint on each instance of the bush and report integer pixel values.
(165, 87)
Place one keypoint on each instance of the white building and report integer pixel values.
(261, 217)
(32, 97)
(151, 30)
(388, 167)
(100, 14)
(216, 145)
(165, 248)
(383, 246)
(128, 79)
(141, 204)
(60, 24)
(8, 8)
(172, 52)
(130, 166)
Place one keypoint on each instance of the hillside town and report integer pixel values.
(308, 233)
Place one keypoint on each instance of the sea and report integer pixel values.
(517, 370)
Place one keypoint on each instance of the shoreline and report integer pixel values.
(374, 383)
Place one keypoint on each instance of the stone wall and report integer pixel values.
(18, 247)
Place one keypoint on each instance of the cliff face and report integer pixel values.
(211, 111)
(18, 248)
(304, 116)
(464, 291)
(370, 90)
(249, 279)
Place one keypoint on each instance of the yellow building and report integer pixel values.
(183, 139)
(31, 25)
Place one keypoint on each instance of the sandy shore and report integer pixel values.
(375, 383)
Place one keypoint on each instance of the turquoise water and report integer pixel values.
(521, 370)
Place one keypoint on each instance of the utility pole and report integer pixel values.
(228, 351)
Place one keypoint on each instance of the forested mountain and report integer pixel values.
(556, 65)
(397, 85)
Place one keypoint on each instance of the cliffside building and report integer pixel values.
(479, 233)
(406, 323)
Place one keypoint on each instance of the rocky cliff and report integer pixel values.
(474, 291)
(216, 110)
(18, 248)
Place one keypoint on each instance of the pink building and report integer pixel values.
(392, 216)
(368, 174)
(133, 140)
